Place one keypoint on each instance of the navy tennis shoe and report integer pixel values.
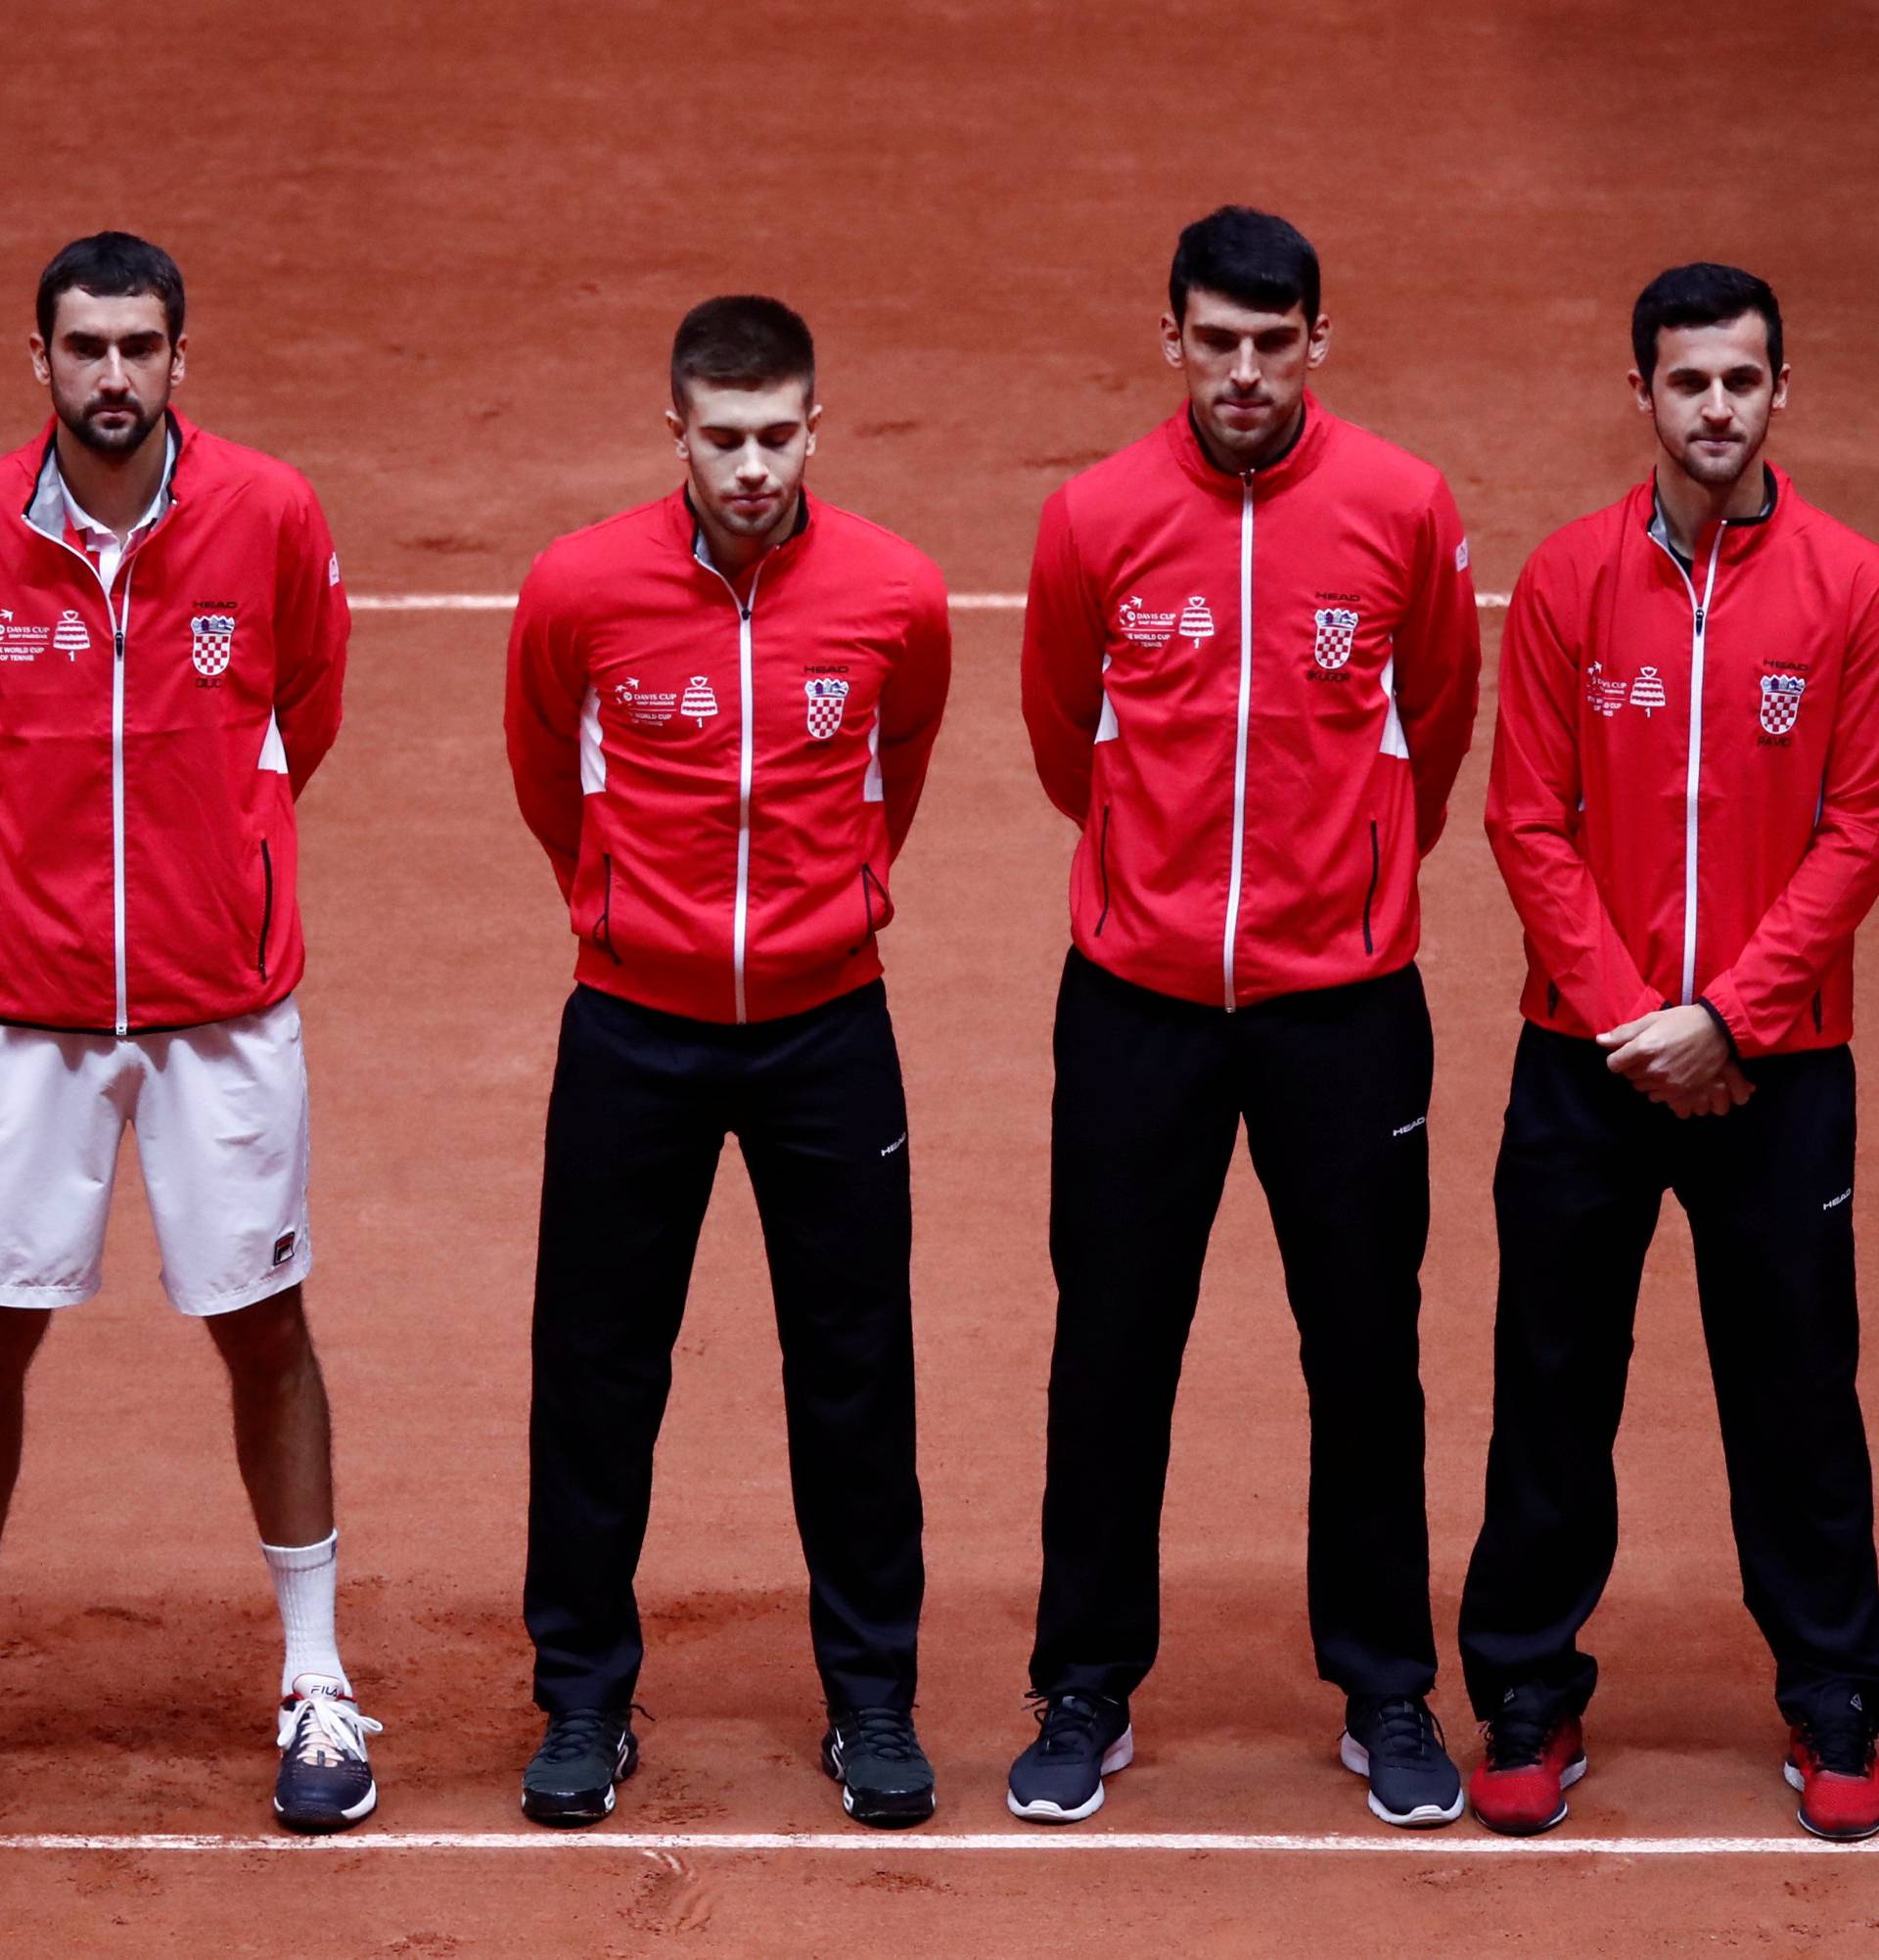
(1080, 1740)
(325, 1778)
(1397, 1743)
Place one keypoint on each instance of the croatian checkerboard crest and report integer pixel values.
(827, 696)
(1337, 634)
(212, 643)
(1782, 701)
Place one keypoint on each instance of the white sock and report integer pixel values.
(306, 1579)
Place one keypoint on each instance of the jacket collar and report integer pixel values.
(686, 530)
(1298, 460)
(1741, 535)
(35, 485)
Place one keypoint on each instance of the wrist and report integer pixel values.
(1720, 1026)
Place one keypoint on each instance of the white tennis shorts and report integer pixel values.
(221, 1122)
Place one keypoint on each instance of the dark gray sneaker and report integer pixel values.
(1080, 1740)
(1397, 1743)
(582, 1755)
(875, 1756)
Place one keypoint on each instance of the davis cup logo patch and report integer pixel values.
(1197, 621)
(1337, 634)
(212, 643)
(698, 703)
(70, 636)
(1782, 701)
(827, 698)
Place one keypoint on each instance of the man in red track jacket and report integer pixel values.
(720, 710)
(1249, 670)
(173, 641)
(1685, 806)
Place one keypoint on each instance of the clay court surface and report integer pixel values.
(434, 255)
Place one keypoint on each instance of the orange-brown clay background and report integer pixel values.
(434, 255)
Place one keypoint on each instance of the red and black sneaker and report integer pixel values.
(1535, 1752)
(1832, 1762)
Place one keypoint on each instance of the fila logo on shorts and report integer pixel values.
(212, 643)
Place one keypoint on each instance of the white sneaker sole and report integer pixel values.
(1041, 1810)
(1424, 1817)
(364, 1807)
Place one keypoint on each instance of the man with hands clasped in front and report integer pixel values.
(1684, 803)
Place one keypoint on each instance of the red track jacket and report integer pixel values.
(1684, 800)
(153, 740)
(1253, 693)
(720, 787)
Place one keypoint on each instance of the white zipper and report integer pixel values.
(119, 631)
(1239, 743)
(741, 909)
(119, 627)
(1693, 775)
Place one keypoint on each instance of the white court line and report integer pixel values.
(1408, 1844)
(504, 602)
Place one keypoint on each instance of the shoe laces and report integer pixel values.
(1844, 1745)
(884, 1732)
(1517, 1737)
(1406, 1727)
(1065, 1723)
(581, 1732)
(324, 1732)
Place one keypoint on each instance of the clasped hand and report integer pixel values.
(1679, 1056)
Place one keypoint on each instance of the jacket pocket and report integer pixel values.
(267, 909)
(1102, 873)
(603, 933)
(1370, 890)
(877, 909)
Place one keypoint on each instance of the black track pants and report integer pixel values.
(641, 1105)
(1584, 1163)
(1334, 1090)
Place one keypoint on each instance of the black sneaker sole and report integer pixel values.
(884, 1810)
(568, 1808)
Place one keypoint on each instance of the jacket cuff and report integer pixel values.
(1721, 1020)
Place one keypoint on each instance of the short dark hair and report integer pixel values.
(742, 340)
(1247, 255)
(1701, 296)
(112, 265)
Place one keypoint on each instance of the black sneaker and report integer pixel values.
(1397, 1743)
(325, 1780)
(582, 1755)
(1080, 1740)
(875, 1756)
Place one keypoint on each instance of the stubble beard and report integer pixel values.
(1718, 473)
(111, 441)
